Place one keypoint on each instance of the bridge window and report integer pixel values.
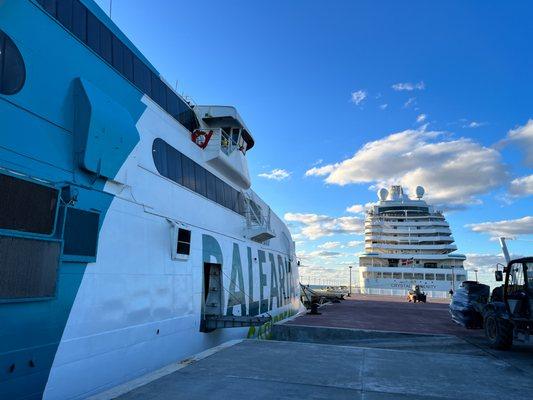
(12, 69)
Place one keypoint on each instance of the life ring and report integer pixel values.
(201, 137)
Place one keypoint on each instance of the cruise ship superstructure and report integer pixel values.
(408, 243)
(130, 238)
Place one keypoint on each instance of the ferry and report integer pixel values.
(408, 243)
(130, 237)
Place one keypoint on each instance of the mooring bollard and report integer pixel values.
(314, 309)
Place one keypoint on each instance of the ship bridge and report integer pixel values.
(225, 139)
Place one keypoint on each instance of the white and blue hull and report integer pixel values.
(104, 316)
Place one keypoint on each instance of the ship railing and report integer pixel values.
(258, 219)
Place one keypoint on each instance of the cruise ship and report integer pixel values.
(130, 237)
(408, 243)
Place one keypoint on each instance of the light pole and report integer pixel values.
(350, 287)
(476, 273)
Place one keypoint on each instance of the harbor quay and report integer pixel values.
(366, 347)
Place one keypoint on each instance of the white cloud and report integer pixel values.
(329, 245)
(383, 106)
(356, 209)
(474, 124)
(421, 118)
(315, 226)
(506, 228)
(523, 137)
(408, 86)
(521, 187)
(483, 261)
(354, 243)
(410, 102)
(358, 97)
(276, 174)
(454, 172)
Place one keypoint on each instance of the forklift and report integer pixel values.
(508, 316)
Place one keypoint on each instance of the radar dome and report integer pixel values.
(420, 192)
(382, 194)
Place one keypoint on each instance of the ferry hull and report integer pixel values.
(120, 302)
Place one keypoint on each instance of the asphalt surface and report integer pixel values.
(364, 348)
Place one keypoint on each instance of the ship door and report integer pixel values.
(212, 289)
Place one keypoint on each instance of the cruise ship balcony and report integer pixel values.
(415, 256)
(409, 239)
(436, 247)
(406, 231)
(405, 223)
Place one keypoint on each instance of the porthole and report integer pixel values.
(12, 70)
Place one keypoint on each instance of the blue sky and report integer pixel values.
(344, 88)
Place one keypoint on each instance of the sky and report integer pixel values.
(346, 97)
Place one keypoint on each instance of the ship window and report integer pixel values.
(172, 103)
(200, 179)
(220, 191)
(12, 69)
(397, 275)
(184, 242)
(228, 196)
(75, 17)
(440, 277)
(188, 173)
(461, 278)
(159, 94)
(64, 13)
(407, 275)
(128, 64)
(387, 275)
(79, 21)
(173, 161)
(211, 185)
(141, 76)
(106, 44)
(49, 6)
(93, 33)
(27, 206)
(419, 276)
(179, 168)
(117, 54)
(430, 277)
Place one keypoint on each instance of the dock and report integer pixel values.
(366, 347)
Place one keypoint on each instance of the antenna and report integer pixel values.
(504, 249)
(110, 8)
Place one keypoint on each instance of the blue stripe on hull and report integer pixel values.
(37, 140)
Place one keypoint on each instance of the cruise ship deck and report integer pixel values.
(367, 347)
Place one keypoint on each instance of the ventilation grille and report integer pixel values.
(28, 267)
